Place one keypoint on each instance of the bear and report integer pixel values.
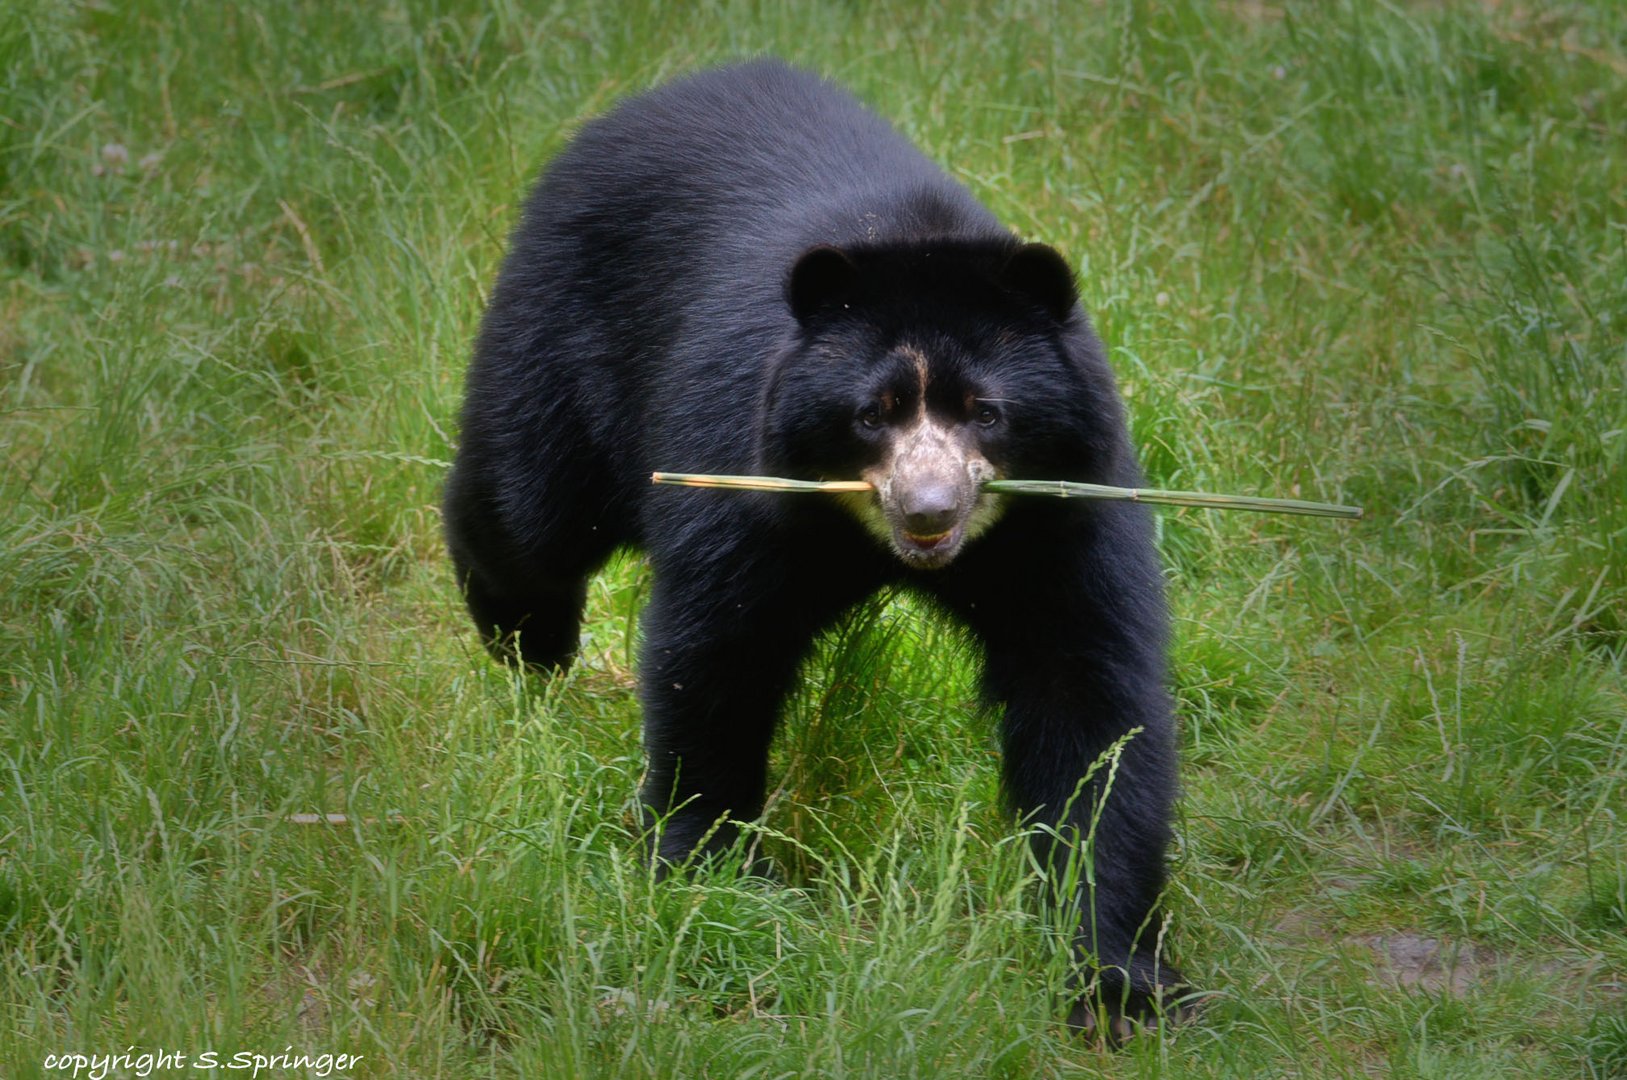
(747, 271)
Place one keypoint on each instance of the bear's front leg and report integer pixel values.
(1096, 767)
(711, 697)
(1069, 606)
(725, 629)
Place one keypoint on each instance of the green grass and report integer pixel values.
(1355, 252)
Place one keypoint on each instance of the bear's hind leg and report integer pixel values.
(526, 599)
(537, 628)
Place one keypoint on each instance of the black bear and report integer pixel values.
(746, 271)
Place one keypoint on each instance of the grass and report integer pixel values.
(1360, 252)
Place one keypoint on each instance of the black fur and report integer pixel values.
(647, 318)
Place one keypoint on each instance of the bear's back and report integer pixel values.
(764, 152)
(729, 174)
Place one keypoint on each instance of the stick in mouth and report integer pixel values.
(1065, 489)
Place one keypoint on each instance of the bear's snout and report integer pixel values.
(928, 491)
(930, 510)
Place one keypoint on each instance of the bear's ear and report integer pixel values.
(1041, 274)
(822, 276)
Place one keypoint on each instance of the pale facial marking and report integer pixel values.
(928, 457)
(923, 374)
(989, 506)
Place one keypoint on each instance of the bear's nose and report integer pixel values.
(930, 510)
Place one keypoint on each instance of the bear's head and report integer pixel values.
(928, 369)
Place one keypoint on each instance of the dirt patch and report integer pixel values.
(1414, 961)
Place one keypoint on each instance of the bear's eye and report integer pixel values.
(870, 416)
(986, 415)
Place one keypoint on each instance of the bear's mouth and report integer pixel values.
(928, 552)
(926, 543)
